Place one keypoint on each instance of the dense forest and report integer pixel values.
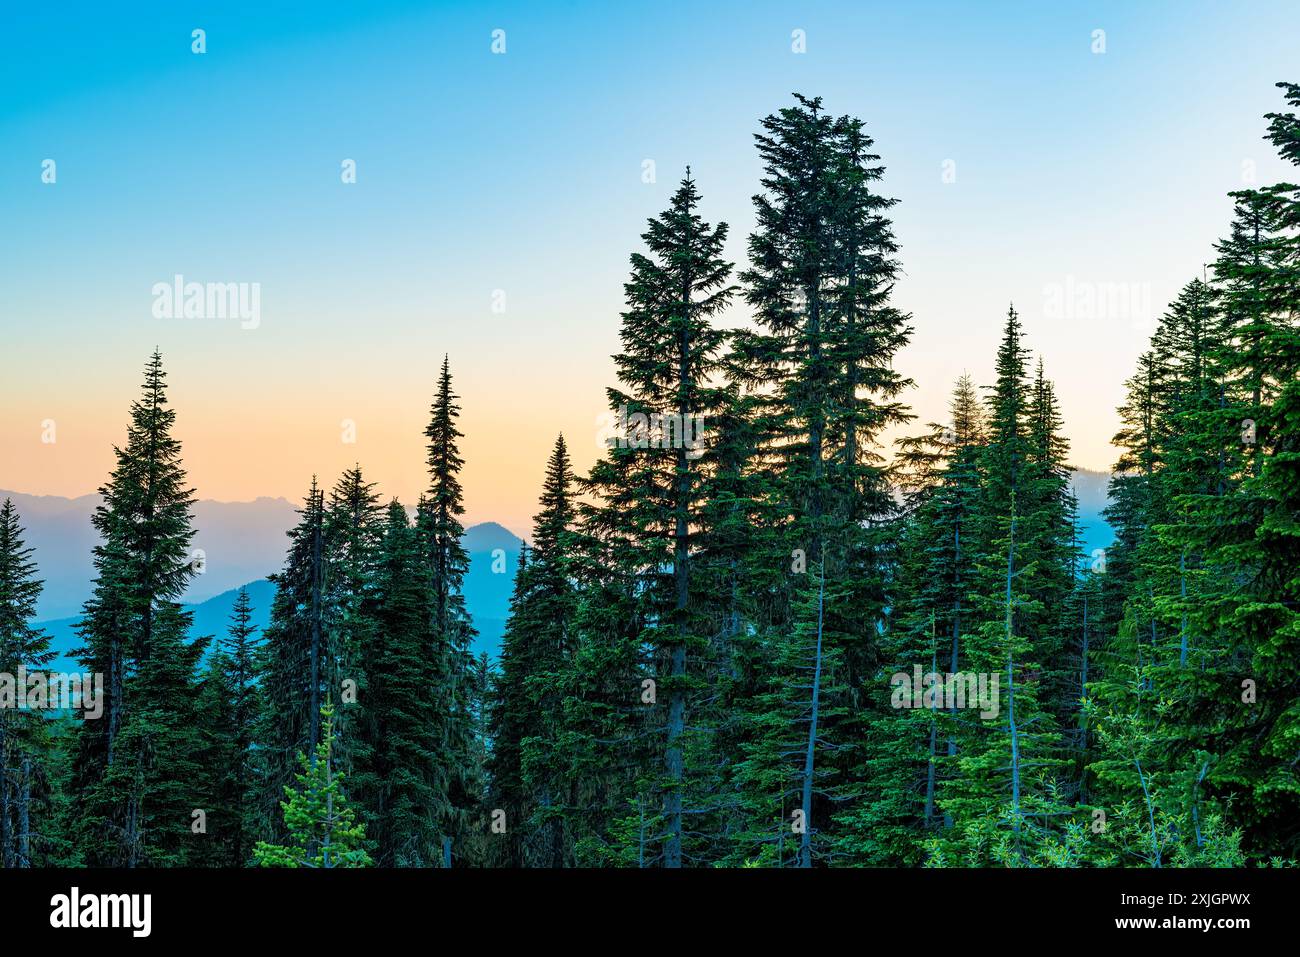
(718, 636)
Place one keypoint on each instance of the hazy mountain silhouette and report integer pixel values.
(243, 542)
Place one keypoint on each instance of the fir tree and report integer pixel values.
(911, 754)
(290, 675)
(821, 273)
(24, 739)
(460, 795)
(527, 776)
(229, 700)
(397, 780)
(351, 529)
(135, 768)
(216, 823)
(1005, 804)
(648, 493)
(321, 824)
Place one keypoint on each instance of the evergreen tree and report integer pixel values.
(911, 754)
(460, 792)
(822, 270)
(1194, 760)
(397, 781)
(734, 584)
(321, 824)
(351, 530)
(289, 665)
(526, 712)
(136, 768)
(707, 634)
(1005, 804)
(507, 723)
(670, 353)
(1250, 541)
(24, 739)
(216, 823)
(648, 493)
(229, 701)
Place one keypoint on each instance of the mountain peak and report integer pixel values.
(485, 536)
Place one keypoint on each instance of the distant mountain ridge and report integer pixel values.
(243, 542)
(240, 541)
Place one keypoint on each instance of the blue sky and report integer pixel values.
(523, 172)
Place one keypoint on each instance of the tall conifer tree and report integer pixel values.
(527, 775)
(291, 676)
(821, 272)
(24, 739)
(460, 794)
(135, 768)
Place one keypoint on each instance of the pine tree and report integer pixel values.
(1050, 536)
(1250, 543)
(24, 738)
(460, 796)
(670, 352)
(648, 493)
(1193, 768)
(135, 768)
(509, 718)
(911, 754)
(733, 582)
(229, 700)
(822, 270)
(396, 782)
(527, 776)
(217, 823)
(321, 824)
(289, 665)
(351, 529)
(606, 735)
(1006, 803)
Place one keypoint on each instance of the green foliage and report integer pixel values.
(137, 767)
(527, 768)
(706, 631)
(25, 741)
(322, 826)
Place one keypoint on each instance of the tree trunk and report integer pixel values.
(681, 580)
(1182, 588)
(131, 832)
(934, 732)
(1011, 685)
(114, 694)
(25, 816)
(1196, 803)
(1155, 845)
(1083, 717)
(956, 649)
(6, 859)
(805, 839)
(316, 575)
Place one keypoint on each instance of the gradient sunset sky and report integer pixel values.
(522, 172)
